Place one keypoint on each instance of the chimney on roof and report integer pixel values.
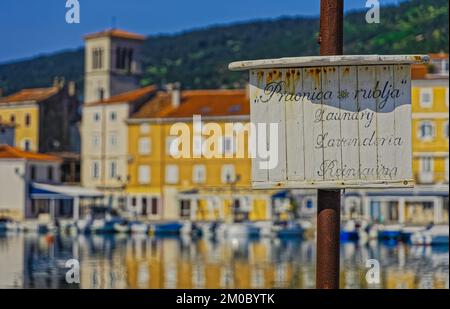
(58, 82)
(175, 92)
(72, 88)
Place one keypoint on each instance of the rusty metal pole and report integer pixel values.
(329, 201)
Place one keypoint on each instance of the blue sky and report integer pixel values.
(32, 27)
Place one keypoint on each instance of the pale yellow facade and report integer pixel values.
(26, 120)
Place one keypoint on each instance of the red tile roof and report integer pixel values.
(9, 152)
(216, 102)
(438, 56)
(117, 33)
(27, 95)
(159, 106)
(127, 97)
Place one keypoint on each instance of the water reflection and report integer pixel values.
(121, 261)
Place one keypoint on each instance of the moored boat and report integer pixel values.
(137, 227)
(390, 232)
(166, 228)
(407, 231)
(9, 225)
(288, 229)
(121, 227)
(349, 231)
(436, 235)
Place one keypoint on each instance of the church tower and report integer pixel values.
(112, 63)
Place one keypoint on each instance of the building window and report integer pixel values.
(26, 145)
(199, 174)
(426, 165)
(228, 174)
(124, 58)
(133, 201)
(120, 64)
(229, 145)
(97, 58)
(95, 140)
(426, 97)
(144, 146)
(113, 170)
(113, 116)
(33, 172)
(426, 130)
(172, 174)
(96, 117)
(113, 139)
(171, 143)
(101, 94)
(144, 128)
(144, 174)
(185, 209)
(12, 118)
(27, 120)
(95, 170)
(154, 206)
(50, 173)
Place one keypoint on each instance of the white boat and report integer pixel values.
(372, 232)
(408, 231)
(13, 226)
(392, 231)
(98, 225)
(265, 228)
(31, 226)
(138, 228)
(186, 228)
(121, 227)
(238, 230)
(83, 225)
(437, 235)
(65, 226)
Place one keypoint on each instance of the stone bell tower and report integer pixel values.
(112, 63)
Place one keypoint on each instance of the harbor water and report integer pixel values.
(30, 260)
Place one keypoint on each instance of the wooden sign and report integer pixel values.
(342, 121)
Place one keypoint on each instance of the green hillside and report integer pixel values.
(199, 58)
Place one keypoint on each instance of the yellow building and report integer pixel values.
(196, 187)
(430, 123)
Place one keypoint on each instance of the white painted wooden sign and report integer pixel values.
(342, 121)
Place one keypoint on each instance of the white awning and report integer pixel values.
(63, 190)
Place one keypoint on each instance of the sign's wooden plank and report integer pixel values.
(349, 122)
(387, 142)
(312, 103)
(329, 115)
(403, 154)
(294, 128)
(258, 114)
(277, 115)
(367, 80)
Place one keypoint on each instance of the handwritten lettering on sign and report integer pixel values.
(339, 126)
